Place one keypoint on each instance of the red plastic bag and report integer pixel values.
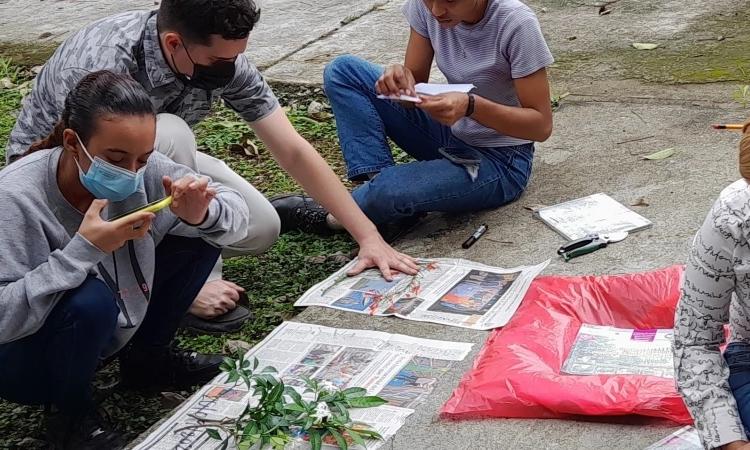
(517, 373)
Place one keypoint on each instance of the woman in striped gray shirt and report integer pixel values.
(473, 151)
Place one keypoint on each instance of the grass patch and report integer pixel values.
(273, 280)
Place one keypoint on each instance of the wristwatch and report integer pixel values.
(470, 105)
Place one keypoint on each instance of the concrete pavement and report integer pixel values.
(624, 104)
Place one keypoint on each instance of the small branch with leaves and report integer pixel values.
(320, 414)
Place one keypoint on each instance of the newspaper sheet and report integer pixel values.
(600, 350)
(402, 370)
(595, 214)
(446, 291)
(686, 438)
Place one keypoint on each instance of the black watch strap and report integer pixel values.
(470, 105)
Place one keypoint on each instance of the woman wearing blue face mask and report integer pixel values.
(77, 288)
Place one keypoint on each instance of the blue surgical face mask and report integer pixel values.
(107, 181)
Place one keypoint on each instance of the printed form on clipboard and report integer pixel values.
(595, 214)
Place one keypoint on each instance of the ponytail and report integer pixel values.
(745, 153)
(55, 139)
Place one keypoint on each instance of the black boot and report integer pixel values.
(165, 368)
(301, 213)
(88, 432)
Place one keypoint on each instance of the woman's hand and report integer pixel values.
(396, 80)
(375, 252)
(109, 236)
(190, 197)
(446, 108)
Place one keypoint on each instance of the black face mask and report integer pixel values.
(216, 76)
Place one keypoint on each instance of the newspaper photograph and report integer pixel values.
(402, 370)
(446, 291)
(602, 350)
(686, 438)
(595, 214)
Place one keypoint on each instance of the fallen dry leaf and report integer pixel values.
(662, 154)
(644, 46)
(640, 202)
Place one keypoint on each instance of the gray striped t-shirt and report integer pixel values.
(506, 44)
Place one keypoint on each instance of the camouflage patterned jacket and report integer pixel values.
(129, 43)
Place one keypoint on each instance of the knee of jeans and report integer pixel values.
(342, 66)
(91, 306)
(384, 203)
(264, 231)
(175, 139)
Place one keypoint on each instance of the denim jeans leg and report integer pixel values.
(440, 185)
(364, 122)
(182, 268)
(737, 356)
(56, 364)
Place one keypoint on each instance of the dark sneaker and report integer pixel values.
(90, 432)
(396, 230)
(169, 368)
(229, 322)
(301, 213)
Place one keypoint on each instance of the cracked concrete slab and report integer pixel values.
(284, 27)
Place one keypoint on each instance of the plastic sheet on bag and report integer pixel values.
(517, 373)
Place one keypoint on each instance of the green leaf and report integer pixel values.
(276, 393)
(213, 434)
(370, 401)
(245, 363)
(294, 395)
(370, 434)
(315, 440)
(255, 363)
(644, 46)
(354, 392)
(295, 407)
(662, 154)
(340, 441)
(344, 411)
(356, 437)
(233, 376)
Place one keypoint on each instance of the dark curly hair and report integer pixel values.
(197, 20)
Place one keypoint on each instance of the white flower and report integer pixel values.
(328, 386)
(322, 412)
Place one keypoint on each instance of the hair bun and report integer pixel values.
(744, 156)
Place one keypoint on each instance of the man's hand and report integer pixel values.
(216, 298)
(446, 108)
(190, 197)
(375, 252)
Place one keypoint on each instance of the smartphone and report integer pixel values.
(151, 207)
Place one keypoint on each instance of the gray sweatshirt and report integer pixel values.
(43, 256)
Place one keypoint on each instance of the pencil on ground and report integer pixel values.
(728, 126)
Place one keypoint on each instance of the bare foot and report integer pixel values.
(216, 298)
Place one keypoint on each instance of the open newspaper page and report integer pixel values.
(686, 438)
(446, 291)
(601, 350)
(402, 370)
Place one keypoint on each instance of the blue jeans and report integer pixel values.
(437, 180)
(737, 356)
(56, 364)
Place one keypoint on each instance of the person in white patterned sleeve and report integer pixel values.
(716, 292)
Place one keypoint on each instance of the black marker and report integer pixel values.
(475, 237)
